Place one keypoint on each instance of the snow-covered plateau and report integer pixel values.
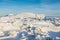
(29, 26)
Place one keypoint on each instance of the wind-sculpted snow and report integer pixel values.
(29, 26)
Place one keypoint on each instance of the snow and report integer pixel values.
(23, 22)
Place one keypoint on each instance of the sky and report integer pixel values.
(47, 7)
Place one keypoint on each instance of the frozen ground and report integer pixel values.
(29, 26)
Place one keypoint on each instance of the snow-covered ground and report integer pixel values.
(29, 26)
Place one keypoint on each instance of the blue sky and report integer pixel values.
(47, 7)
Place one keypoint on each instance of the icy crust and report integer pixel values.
(12, 25)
